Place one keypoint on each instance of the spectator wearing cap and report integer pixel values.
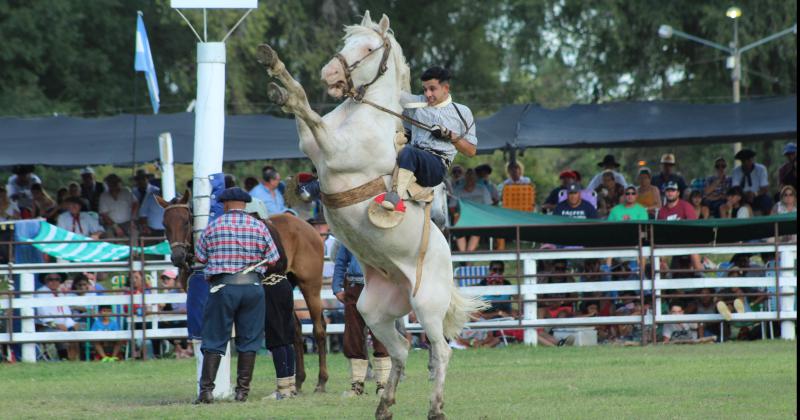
(754, 180)
(169, 284)
(91, 189)
(574, 206)
(268, 190)
(19, 188)
(56, 318)
(787, 173)
(649, 195)
(566, 177)
(77, 221)
(735, 207)
(674, 207)
(609, 193)
(483, 171)
(608, 164)
(142, 185)
(74, 190)
(717, 186)
(629, 209)
(117, 207)
(668, 174)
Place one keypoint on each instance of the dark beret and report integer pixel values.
(235, 194)
(745, 154)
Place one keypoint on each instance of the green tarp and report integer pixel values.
(86, 251)
(479, 219)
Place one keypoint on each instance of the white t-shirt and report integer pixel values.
(682, 331)
(758, 176)
(119, 209)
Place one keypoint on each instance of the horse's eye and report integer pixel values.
(369, 49)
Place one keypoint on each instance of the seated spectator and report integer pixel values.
(668, 174)
(43, 205)
(74, 190)
(716, 186)
(249, 183)
(574, 206)
(8, 208)
(696, 200)
(787, 173)
(19, 188)
(471, 190)
(107, 351)
(470, 338)
(151, 217)
(684, 332)
(169, 285)
(566, 177)
(752, 177)
(735, 207)
(117, 207)
(91, 189)
(56, 318)
(514, 171)
(482, 172)
(500, 304)
(609, 194)
(608, 164)
(629, 209)
(675, 208)
(142, 186)
(82, 287)
(649, 195)
(269, 190)
(77, 221)
(788, 201)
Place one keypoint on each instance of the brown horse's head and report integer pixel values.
(178, 229)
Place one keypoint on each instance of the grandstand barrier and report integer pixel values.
(781, 285)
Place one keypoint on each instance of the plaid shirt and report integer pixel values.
(233, 242)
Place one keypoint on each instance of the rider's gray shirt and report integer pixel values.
(444, 115)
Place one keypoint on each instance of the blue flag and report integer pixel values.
(143, 61)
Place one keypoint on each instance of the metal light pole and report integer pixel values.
(735, 53)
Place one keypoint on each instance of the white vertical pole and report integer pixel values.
(529, 309)
(167, 166)
(29, 349)
(787, 261)
(209, 133)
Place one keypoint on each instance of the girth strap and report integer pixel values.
(355, 195)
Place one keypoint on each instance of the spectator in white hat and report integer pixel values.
(91, 189)
(668, 174)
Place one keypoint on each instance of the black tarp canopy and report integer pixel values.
(69, 141)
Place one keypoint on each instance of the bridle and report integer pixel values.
(186, 245)
(357, 94)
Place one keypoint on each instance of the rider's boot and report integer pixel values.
(404, 179)
(358, 373)
(211, 362)
(382, 366)
(244, 374)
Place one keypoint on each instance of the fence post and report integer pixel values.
(787, 303)
(530, 307)
(28, 324)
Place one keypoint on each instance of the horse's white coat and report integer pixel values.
(350, 146)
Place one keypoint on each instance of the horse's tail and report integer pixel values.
(459, 311)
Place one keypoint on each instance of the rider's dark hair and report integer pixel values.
(438, 73)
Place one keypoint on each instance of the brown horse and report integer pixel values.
(304, 251)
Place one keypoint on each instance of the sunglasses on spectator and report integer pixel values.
(630, 193)
(721, 165)
(496, 269)
(53, 278)
(788, 194)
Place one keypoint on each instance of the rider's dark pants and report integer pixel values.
(234, 303)
(427, 167)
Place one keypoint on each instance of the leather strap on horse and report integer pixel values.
(354, 195)
(423, 247)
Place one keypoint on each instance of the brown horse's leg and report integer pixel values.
(314, 304)
(299, 354)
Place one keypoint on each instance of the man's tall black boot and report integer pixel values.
(207, 375)
(244, 374)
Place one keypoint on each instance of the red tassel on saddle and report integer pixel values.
(400, 206)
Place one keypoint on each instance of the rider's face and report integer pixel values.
(435, 92)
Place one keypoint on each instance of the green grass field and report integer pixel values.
(737, 380)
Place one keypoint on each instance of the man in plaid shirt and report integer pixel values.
(229, 245)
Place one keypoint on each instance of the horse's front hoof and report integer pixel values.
(320, 389)
(436, 416)
(266, 56)
(277, 94)
(383, 413)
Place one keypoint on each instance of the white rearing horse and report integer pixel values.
(351, 146)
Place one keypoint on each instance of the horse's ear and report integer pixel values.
(185, 198)
(367, 19)
(161, 202)
(384, 24)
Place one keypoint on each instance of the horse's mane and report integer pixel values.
(400, 64)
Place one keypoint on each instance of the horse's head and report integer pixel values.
(178, 228)
(370, 52)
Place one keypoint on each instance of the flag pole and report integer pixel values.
(130, 225)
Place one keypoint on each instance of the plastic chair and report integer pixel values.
(586, 195)
(520, 197)
(470, 275)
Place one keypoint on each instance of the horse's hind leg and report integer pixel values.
(299, 354)
(314, 304)
(430, 313)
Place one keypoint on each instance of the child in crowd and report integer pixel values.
(105, 322)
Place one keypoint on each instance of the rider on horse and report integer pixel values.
(431, 152)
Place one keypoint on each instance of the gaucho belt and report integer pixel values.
(236, 278)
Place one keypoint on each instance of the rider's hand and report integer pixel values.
(340, 296)
(441, 133)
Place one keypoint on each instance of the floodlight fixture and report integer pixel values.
(733, 12)
(665, 31)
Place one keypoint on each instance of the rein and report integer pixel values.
(186, 243)
(358, 93)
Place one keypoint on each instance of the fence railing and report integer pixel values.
(530, 290)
